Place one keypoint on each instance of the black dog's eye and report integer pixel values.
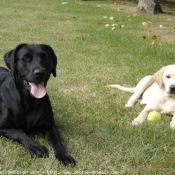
(44, 56)
(167, 76)
(26, 59)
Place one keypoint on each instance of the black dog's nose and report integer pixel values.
(39, 72)
(172, 88)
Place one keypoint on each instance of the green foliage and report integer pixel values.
(94, 125)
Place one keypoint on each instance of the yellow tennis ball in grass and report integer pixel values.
(154, 116)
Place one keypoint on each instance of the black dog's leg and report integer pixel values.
(53, 137)
(32, 147)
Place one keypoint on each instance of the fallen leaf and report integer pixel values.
(113, 28)
(165, 148)
(143, 37)
(154, 37)
(144, 24)
(62, 38)
(154, 42)
(111, 18)
(107, 25)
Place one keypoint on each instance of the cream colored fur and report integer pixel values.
(157, 92)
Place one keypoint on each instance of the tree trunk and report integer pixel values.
(151, 6)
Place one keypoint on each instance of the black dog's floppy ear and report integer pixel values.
(10, 59)
(54, 65)
(54, 59)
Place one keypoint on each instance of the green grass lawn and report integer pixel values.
(95, 127)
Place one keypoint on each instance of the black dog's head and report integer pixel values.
(32, 64)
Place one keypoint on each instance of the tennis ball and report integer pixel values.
(154, 116)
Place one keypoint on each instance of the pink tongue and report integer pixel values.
(38, 90)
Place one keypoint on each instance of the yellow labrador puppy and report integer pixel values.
(156, 92)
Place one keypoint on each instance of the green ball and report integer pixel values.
(154, 116)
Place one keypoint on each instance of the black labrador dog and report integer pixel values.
(24, 103)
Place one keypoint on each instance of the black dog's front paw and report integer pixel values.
(66, 160)
(37, 151)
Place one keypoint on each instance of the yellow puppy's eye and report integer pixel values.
(167, 76)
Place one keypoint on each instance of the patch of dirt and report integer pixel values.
(124, 8)
(164, 30)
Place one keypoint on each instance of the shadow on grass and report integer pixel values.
(168, 3)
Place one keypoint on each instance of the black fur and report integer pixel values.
(20, 111)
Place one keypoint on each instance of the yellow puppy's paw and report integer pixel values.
(172, 125)
(137, 121)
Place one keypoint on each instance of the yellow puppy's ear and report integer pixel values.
(158, 77)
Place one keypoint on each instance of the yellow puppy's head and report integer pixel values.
(165, 78)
